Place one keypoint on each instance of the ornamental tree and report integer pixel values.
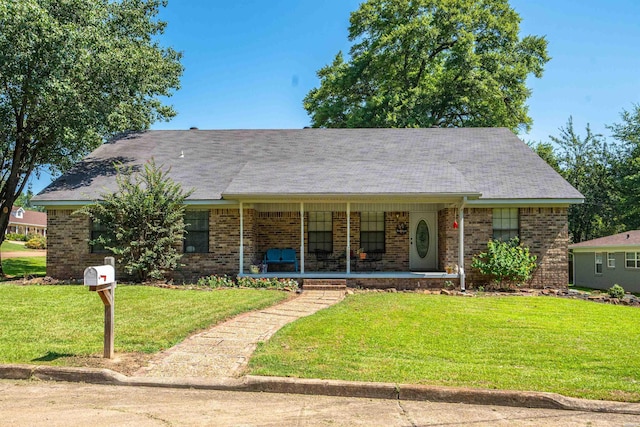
(423, 63)
(146, 219)
(72, 74)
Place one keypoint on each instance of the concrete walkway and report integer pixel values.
(223, 351)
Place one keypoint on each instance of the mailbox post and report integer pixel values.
(101, 279)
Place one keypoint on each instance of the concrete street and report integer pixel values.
(41, 403)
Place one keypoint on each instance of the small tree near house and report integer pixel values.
(145, 219)
(506, 263)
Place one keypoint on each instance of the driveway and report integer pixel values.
(24, 254)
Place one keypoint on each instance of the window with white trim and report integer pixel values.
(505, 224)
(632, 259)
(611, 260)
(598, 262)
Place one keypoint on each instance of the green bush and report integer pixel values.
(268, 283)
(505, 262)
(616, 291)
(217, 282)
(36, 242)
(146, 218)
(16, 237)
(31, 236)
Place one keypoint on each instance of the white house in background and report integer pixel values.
(23, 221)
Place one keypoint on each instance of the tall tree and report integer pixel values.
(589, 164)
(422, 63)
(72, 74)
(628, 133)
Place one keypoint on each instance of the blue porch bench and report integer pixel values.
(281, 256)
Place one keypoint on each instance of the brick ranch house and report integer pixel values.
(419, 202)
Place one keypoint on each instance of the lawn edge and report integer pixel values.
(253, 383)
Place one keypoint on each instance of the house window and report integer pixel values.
(196, 238)
(372, 231)
(320, 234)
(611, 260)
(632, 259)
(598, 262)
(97, 230)
(505, 224)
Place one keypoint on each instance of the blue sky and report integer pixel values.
(249, 63)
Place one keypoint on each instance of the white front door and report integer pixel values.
(423, 241)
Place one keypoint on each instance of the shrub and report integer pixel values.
(268, 283)
(146, 216)
(31, 236)
(616, 291)
(16, 237)
(36, 242)
(506, 262)
(217, 282)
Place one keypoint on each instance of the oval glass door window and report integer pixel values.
(422, 238)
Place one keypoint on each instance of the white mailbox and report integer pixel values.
(99, 275)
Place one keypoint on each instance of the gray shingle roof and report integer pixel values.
(488, 162)
(628, 238)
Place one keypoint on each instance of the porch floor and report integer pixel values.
(355, 275)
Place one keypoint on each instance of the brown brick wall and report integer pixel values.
(402, 284)
(545, 232)
(447, 238)
(67, 239)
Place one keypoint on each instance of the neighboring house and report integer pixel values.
(604, 262)
(415, 200)
(23, 221)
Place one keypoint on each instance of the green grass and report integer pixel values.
(27, 266)
(576, 348)
(47, 323)
(8, 246)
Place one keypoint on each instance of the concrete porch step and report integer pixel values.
(324, 285)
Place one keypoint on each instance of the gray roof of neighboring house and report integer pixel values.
(628, 238)
(489, 162)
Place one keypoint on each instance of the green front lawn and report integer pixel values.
(8, 246)
(49, 323)
(576, 348)
(27, 266)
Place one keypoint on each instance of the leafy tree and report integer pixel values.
(24, 200)
(73, 73)
(628, 133)
(547, 152)
(589, 164)
(422, 63)
(505, 262)
(146, 216)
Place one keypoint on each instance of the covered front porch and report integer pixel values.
(368, 244)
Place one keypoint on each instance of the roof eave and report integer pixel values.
(524, 202)
(606, 248)
(349, 196)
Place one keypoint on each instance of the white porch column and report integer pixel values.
(301, 237)
(348, 251)
(241, 238)
(461, 274)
